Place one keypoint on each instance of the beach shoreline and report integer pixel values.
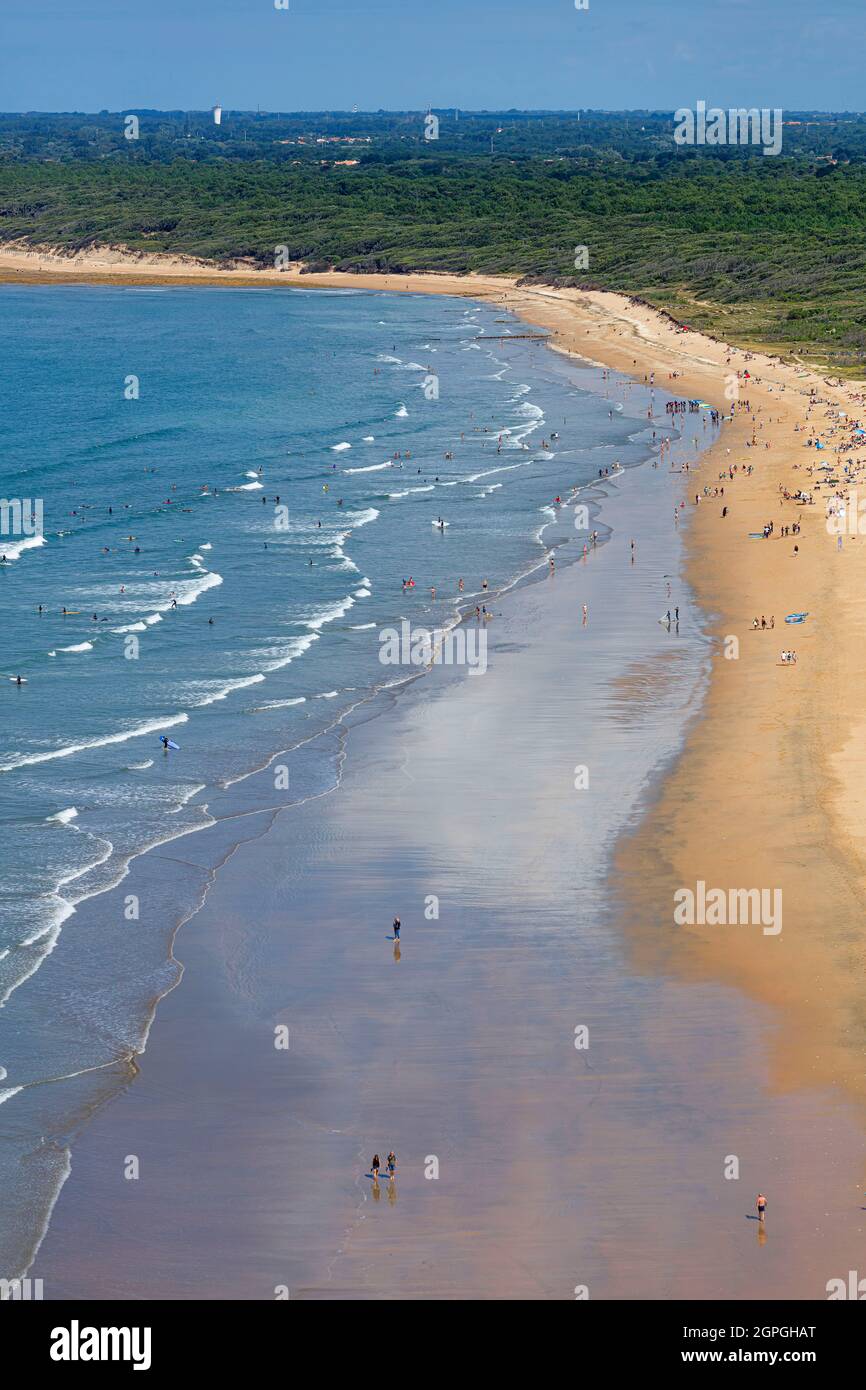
(555, 1166)
(767, 789)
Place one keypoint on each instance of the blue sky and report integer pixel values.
(87, 55)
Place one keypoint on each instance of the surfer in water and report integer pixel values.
(164, 741)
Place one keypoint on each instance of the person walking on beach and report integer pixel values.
(396, 928)
(392, 1165)
(761, 1204)
(374, 1167)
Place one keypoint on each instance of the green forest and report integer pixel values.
(764, 251)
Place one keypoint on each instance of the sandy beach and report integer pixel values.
(766, 793)
(557, 1168)
(776, 738)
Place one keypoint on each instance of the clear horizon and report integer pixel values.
(410, 110)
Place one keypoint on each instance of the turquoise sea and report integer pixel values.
(222, 494)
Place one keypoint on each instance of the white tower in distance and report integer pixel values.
(217, 115)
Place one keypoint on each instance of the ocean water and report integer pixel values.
(233, 486)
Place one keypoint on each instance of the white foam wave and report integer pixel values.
(224, 691)
(68, 749)
(281, 704)
(329, 614)
(13, 549)
(363, 518)
(295, 647)
(193, 589)
(489, 472)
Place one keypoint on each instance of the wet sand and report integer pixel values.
(768, 792)
(558, 1167)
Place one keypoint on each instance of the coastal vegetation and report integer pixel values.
(768, 252)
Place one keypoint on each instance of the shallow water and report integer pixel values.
(231, 384)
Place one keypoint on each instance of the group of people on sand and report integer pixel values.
(390, 1164)
(789, 658)
(763, 622)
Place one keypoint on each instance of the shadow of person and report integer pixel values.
(397, 950)
(376, 1190)
(392, 1192)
